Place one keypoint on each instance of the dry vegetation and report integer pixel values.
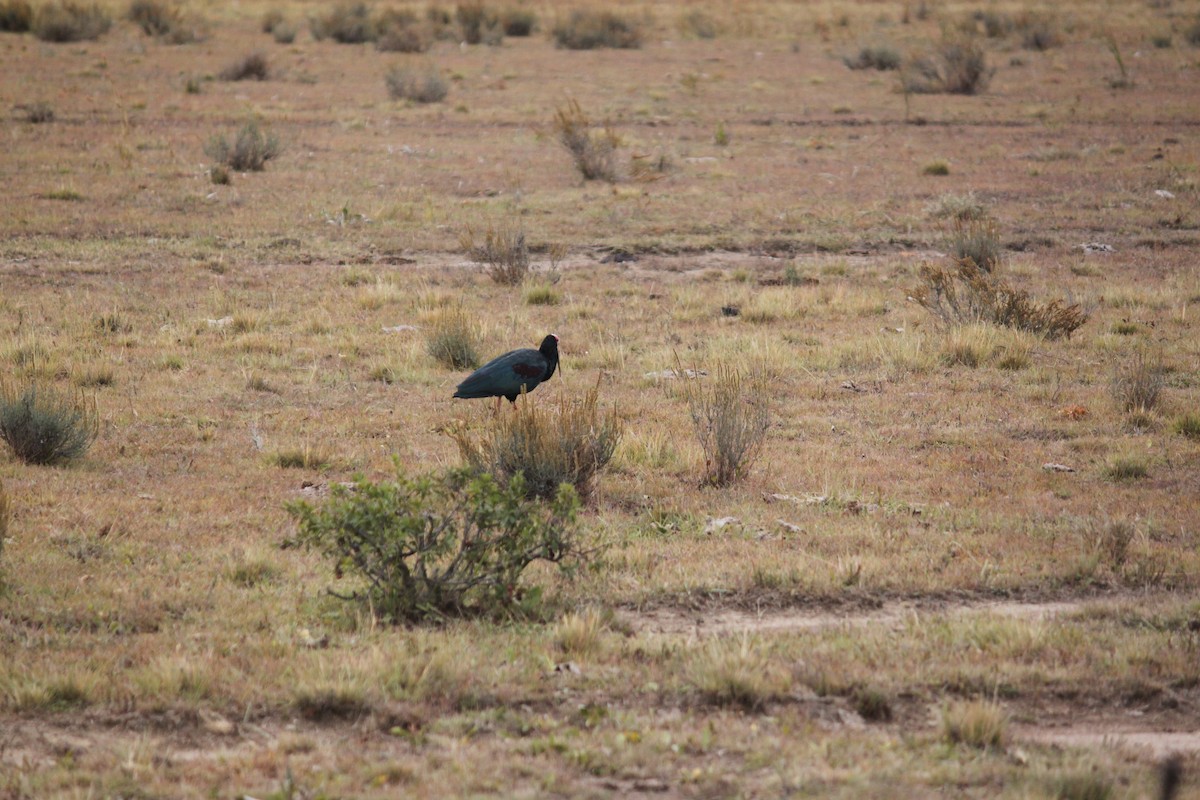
(964, 561)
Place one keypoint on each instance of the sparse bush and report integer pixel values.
(518, 22)
(698, 24)
(979, 241)
(959, 66)
(251, 67)
(1138, 382)
(271, 20)
(436, 545)
(872, 704)
(566, 442)
(154, 17)
(879, 57)
(977, 724)
(730, 417)
(587, 29)
(1039, 32)
(594, 152)
(16, 16)
(450, 339)
(965, 293)
(38, 113)
(44, 426)
(938, 168)
(477, 23)
(1188, 425)
(70, 21)
(349, 23)
(728, 672)
(284, 33)
(502, 251)
(1191, 33)
(306, 457)
(1111, 542)
(425, 86)
(249, 152)
(219, 175)
(996, 23)
(959, 207)
(400, 31)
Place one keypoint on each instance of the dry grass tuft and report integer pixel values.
(165, 21)
(1084, 786)
(451, 338)
(730, 414)
(589, 29)
(1126, 468)
(348, 23)
(420, 86)
(732, 672)
(979, 240)
(16, 16)
(478, 24)
(978, 723)
(958, 207)
(518, 22)
(1137, 383)
(250, 67)
(401, 31)
(594, 151)
(1188, 425)
(566, 442)
(877, 57)
(306, 457)
(45, 426)
(250, 150)
(581, 634)
(964, 293)
(70, 21)
(958, 65)
(502, 250)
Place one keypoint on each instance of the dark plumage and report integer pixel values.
(506, 375)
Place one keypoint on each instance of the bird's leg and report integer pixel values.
(497, 404)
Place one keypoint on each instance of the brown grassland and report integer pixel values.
(909, 600)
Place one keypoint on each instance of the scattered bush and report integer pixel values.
(450, 339)
(964, 293)
(219, 175)
(44, 426)
(249, 152)
(38, 113)
(250, 67)
(349, 23)
(154, 17)
(284, 33)
(272, 20)
(70, 21)
(1138, 382)
(566, 442)
(437, 545)
(938, 168)
(730, 416)
(879, 57)
(16, 16)
(478, 24)
(959, 66)
(977, 724)
(698, 24)
(1039, 32)
(996, 23)
(425, 86)
(502, 251)
(958, 207)
(586, 29)
(518, 22)
(1111, 543)
(594, 152)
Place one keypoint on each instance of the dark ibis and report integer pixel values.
(507, 375)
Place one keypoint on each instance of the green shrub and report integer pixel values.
(451, 544)
(938, 168)
(249, 151)
(594, 152)
(451, 339)
(730, 416)
(44, 426)
(964, 293)
(879, 58)
(16, 16)
(70, 21)
(1137, 383)
(501, 250)
(586, 29)
(1188, 425)
(518, 22)
(251, 67)
(564, 442)
(348, 23)
(423, 86)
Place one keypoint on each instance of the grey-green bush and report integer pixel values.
(45, 426)
(249, 151)
(69, 21)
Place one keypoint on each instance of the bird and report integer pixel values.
(509, 374)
